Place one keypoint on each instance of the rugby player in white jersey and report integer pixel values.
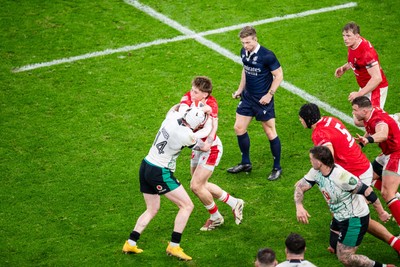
(344, 194)
(157, 177)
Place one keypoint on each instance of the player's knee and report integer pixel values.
(239, 129)
(153, 211)
(189, 206)
(195, 187)
(345, 258)
(386, 195)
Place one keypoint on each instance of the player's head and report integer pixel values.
(361, 107)
(310, 114)
(247, 31)
(321, 155)
(295, 244)
(201, 88)
(351, 27)
(248, 38)
(351, 34)
(265, 258)
(194, 117)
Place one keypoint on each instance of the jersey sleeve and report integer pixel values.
(370, 56)
(310, 176)
(187, 137)
(271, 61)
(212, 102)
(205, 130)
(186, 99)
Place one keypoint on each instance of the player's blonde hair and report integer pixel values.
(247, 31)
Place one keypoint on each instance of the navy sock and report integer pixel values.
(176, 237)
(244, 145)
(134, 236)
(275, 145)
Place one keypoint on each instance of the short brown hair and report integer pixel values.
(362, 102)
(203, 83)
(247, 31)
(351, 27)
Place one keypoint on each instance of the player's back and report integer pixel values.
(392, 143)
(171, 138)
(347, 153)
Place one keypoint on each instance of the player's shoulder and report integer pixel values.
(211, 100)
(378, 115)
(343, 177)
(263, 51)
(366, 45)
(186, 98)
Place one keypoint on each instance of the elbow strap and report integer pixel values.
(372, 197)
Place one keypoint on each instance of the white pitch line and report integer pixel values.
(275, 19)
(286, 85)
(175, 39)
(189, 34)
(99, 53)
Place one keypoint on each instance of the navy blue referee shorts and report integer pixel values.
(250, 106)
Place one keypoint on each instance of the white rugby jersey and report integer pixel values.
(171, 138)
(336, 189)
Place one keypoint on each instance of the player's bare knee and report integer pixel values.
(345, 259)
(188, 206)
(239, 130)
(152, 212)
(195, 187)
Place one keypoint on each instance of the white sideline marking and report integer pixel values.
(189, 34)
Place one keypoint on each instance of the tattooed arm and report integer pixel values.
(301, 213)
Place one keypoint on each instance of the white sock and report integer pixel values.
(228, 199)
(216, 214)
(131, 242)
(172, 244)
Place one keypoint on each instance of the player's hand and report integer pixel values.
(206, 147)
(236, 95)
(361, 139)
(385, 216)
(265, 99)
(353, 95)
(339, 72)
(207, 109)
(302, 215)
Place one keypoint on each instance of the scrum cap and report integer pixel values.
(310, 114)
(194, 117)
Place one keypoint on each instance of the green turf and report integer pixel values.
(73, 134)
